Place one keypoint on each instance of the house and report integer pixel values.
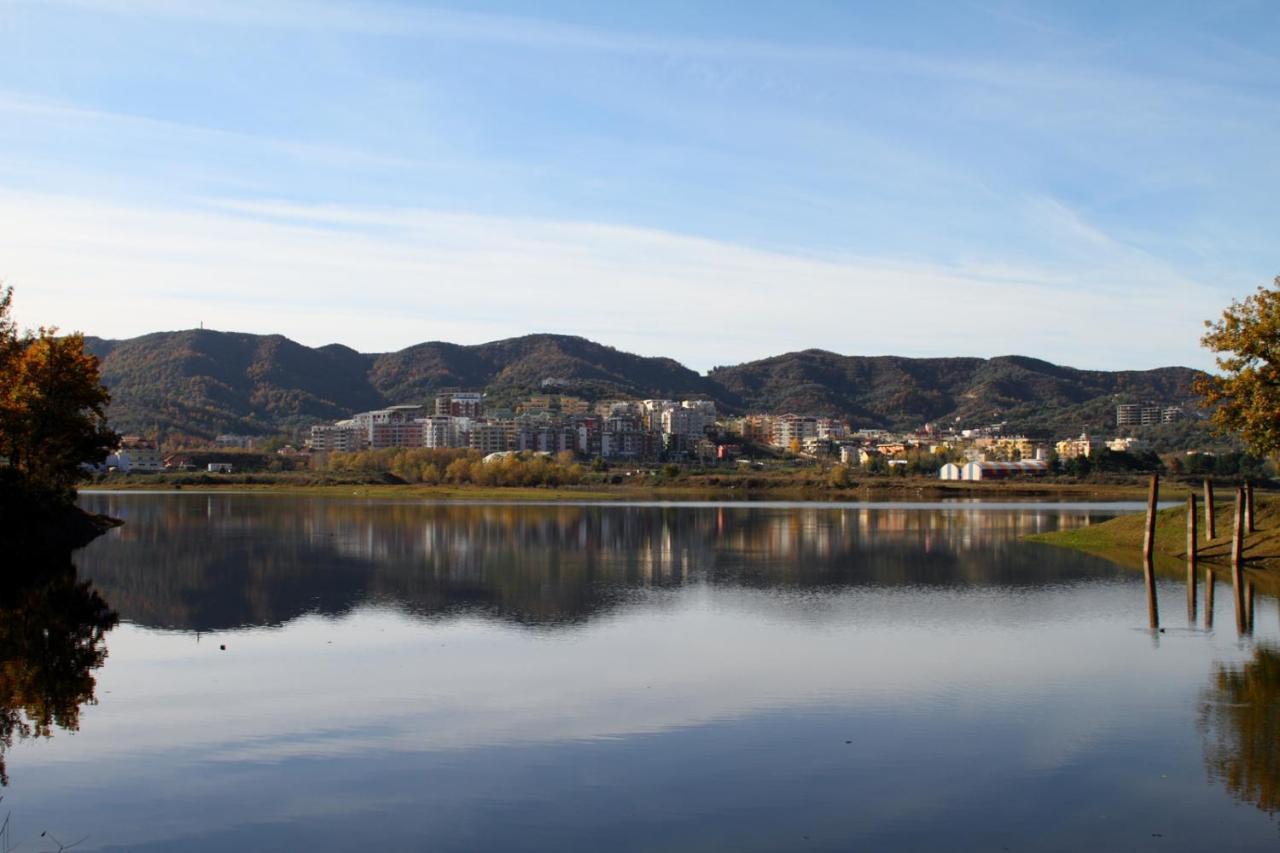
(219, 467)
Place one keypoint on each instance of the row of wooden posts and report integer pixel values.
(1242, 525)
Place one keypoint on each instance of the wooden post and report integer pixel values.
(1149, 541)
(1191, 528)
(1191, 558)
(1237, 529)
(1210, 581)
(1237, 562)
(1248, 507)
(1209, 532)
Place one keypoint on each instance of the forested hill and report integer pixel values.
(1033, 396)
(202, 383)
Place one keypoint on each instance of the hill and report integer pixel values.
(1032, 396)
(202, 383)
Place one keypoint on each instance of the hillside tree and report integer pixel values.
(53, 407)
(1245, 395)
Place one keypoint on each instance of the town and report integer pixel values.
(668, 432)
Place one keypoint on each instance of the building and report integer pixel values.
(1006, 447)
(439, 431)
(342, 437)
(136, 454)
(691, 418)
(1074, 447)
(950, 471)
(1127, 445)
(973, 471)
(789, 429)
(463, 404)
(1146, 414)
(488, 437)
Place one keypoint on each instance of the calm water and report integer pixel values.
(745, 677)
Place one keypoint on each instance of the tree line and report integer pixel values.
(459, 467)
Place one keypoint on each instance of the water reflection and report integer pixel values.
(213, 562)
(1240, 722)
(52, 630)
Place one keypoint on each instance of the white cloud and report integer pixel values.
(383, 278)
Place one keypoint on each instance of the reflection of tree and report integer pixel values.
(52, 629)
(1240, 720)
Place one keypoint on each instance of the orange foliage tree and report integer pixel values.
(53, 415)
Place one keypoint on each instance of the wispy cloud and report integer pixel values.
(383, 278)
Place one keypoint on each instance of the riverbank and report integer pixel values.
(1120, 539)
(695, 487)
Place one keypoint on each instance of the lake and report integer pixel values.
(319, 673)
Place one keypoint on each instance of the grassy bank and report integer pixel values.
(1120, 539)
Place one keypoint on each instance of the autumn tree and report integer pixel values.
(1245, 396)
(52, 406)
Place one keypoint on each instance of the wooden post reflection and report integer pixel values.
(1209, 531)
(1248, 607)
(1237, 563)
(1153, 607)
(1210, 580)
(1191, 558)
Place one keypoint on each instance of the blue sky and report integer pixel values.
(1083, 182)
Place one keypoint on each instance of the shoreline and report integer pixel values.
(1120, 540)
(675, 492)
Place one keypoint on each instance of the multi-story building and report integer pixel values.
(1006, 447)
(342, 437)
(395, 434)
(462, 404)
(758, 428)
(136, 454)
(489, 437)
(652, 411)
(439, 431)
(691, 418)
(1146, 414)
(1074, 447)
(793, 429)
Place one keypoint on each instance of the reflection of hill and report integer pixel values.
(52, 630)
(216, 561)
(1240, 719)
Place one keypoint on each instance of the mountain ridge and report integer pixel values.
(202, 382)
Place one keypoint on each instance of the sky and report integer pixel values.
(1084, 182)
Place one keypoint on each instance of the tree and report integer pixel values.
(1245, 398)
(52, 406)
